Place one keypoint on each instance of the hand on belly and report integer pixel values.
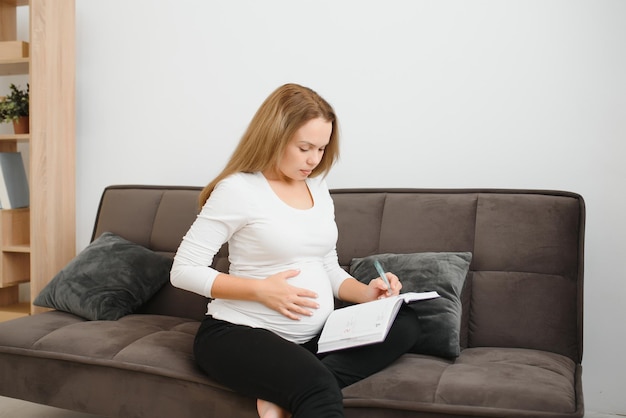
(313, 277)
(300, 293)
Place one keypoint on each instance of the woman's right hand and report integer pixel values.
(276, 293)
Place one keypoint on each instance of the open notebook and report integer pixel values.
(364, 323)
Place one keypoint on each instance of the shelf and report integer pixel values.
(14, 311)
(15, 229)
(18, 66)
(15, 269)
(14, 247)
(15, 2)
(36, 243)
(13, 137)
(23, 248)
(15, 251)
(12, 284)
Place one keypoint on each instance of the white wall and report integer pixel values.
(516, 94)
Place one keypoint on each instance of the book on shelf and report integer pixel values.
(14, 192)
(365, 323)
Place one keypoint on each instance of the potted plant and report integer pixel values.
(14, 108)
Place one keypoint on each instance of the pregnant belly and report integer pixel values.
(312, 276)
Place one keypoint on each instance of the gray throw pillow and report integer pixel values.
(445, 272)
(109, 279)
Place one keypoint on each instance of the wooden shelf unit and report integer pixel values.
(36, 242)
(14, 67)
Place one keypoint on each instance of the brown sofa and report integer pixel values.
(521, 328)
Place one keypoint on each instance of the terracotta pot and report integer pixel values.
(21, 125)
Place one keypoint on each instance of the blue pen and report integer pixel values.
(382, 274)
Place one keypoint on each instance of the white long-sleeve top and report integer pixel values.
(265, 236)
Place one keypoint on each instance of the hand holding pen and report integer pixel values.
(393, 287)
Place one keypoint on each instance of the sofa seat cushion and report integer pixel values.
(155, 344)
(485, 381)
(519, 380)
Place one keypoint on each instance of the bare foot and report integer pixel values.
(268, 409)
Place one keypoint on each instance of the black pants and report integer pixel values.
(258, 363)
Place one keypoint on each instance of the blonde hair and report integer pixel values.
(272, 127)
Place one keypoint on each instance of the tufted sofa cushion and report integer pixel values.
(479, 380)
(157, 346)
(84, 365)
(160, 343)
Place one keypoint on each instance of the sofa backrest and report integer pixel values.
(525, 286)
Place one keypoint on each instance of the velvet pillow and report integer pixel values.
(110, 278)
(445, 272)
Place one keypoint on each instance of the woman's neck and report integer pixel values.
(294, 193)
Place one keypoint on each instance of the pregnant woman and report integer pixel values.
(271, 204)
